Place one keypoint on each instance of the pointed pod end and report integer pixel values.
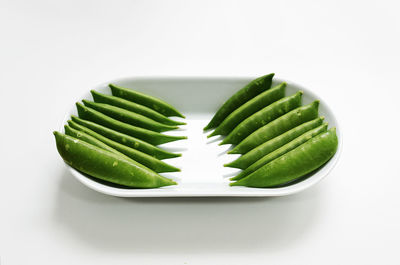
(234, 184)
(211, 135)
(234, 178)
(233, 151)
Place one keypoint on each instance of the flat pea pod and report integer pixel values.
(105, 165)
(146, 160)
(252, 106)
(248, 92)
(277, 127)
(281, 151)
(263, 117)
(89, 139)
(252, 156)
(126, 139)
(149, 136)
(145, 100)
(134, 107)
(129, 117)
(295, 164)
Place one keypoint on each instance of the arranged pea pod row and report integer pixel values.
(280, 141)
(115, 138)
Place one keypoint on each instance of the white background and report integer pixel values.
(53, 51)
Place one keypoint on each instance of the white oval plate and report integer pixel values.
(202, 158)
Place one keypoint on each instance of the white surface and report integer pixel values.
(202, 158)
(346, 51)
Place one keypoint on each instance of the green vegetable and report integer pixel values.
(129, 117)
(89, 139)
(263, 117)
(277, 127)
(105, 165)
(282, 150)
(252, 106)
(248, 92)
(145, 100)
(252, 156)
(134, 107)
(142, 158)
(126, 139)
(151, 137)
(295, 164)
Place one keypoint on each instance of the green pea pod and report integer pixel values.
(252, 156)
(89, 139)
(295, 164)
(151, 137)
(134, 107)
(252, 106)
(105, 165)
(263, 117)
(281, 151)
(248, 92)
(145, 100)
(277, 127)
(129, 117)
(126, 139)
(142, 158)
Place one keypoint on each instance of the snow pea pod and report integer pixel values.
(252, 156)
(87, 138)
(145, 100)
(277, 127)
(295, 164)
(126, 139)
(105, 165)
(154, 164)
(151, 137)
(263, 117)
(248, 92)
(252, 106)
(129, 117)
(134, 107)
(92, 140)
(282, 150)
